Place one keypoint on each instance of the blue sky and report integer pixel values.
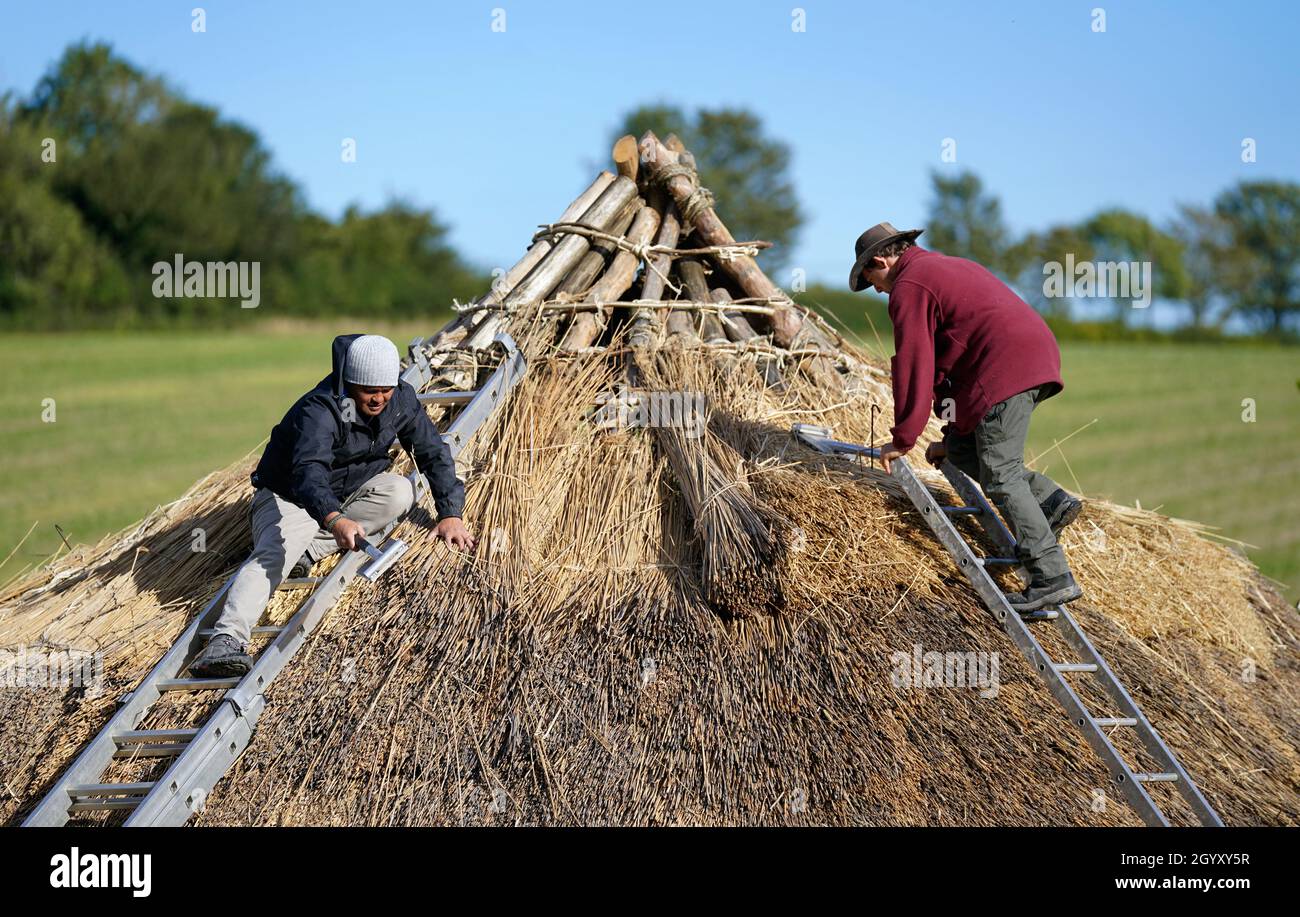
(498, 131)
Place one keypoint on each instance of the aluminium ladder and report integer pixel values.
(203, 755)
(976, 569)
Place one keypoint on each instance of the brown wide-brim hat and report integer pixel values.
(872, 241)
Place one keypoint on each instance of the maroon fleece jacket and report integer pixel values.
(961, 333)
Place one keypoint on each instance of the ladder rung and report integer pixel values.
(196, 684)
(261, 629)
(1155, 778)
(1115, 720)
(151, 750)
(1041, 614)
(299, 582)
(110, 789)
(962, 510)
(150, 736)
(99, 805)
(1075, 666)
(447, 397)
(999, 561)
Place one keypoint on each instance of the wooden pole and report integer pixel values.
(645, 323)
(787, 319)
(691, 271)
(740, 330)
(626, 157)
(617, 279)
(593, 263)
(681, 322)
(737, 325)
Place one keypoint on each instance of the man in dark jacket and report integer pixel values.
(323, 483)
(969, 346)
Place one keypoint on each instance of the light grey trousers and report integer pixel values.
(284, 531)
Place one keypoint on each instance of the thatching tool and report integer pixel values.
(381, 560)
(1130, 783)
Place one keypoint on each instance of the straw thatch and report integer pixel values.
(661, 628)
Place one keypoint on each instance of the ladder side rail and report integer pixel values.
(226, 733)
(52, 811)
(1079, 642)
(1028, 644)
(492, 394)
(1150, 738)
(988, 518)
(1017, 629)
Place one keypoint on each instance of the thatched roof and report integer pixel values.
(669, 629)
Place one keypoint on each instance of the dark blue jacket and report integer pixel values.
(317, 459)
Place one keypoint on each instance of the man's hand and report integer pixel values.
(936, 453)
(888, 453)
(452, 530)
(346, 532)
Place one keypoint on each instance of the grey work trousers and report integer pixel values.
(284, 531)
(994, 455)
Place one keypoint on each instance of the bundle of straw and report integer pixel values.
(740, 548)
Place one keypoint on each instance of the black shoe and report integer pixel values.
(223, 657)
(1061, 509)
(301, 569)
(1056, 591)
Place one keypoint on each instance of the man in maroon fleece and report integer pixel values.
(983, 358)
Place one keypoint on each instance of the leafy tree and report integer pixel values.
(1261, 273)
(1121, 235)
(143, 174)
(156, 175)
(1207, 249)
(51, 262)
(1111, 235)
(967, 222)
(1026, 259)
(92, 98)
(395, 261)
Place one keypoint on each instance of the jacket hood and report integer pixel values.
(338, 356)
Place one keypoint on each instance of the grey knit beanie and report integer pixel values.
(372, 360)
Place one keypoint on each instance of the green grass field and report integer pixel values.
(138, 418)
(1164, 425)
(141, 416)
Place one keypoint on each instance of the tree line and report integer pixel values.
(106, 171)
(1236, 258)
(1232, 263)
